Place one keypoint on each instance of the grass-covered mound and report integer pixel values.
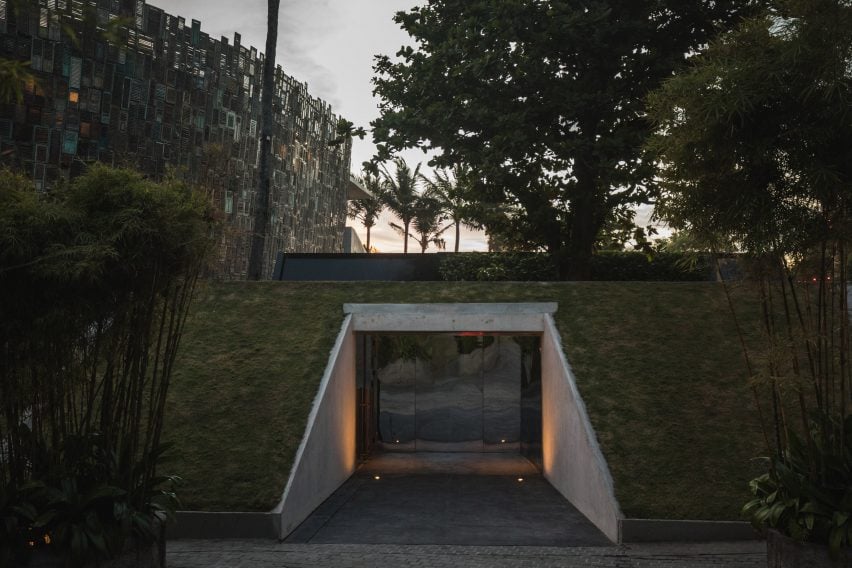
(658, 365)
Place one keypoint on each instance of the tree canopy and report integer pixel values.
(368, 209)
(451, 189)
(756, 145)
(755, 137)
(400, 195)
(544, 100)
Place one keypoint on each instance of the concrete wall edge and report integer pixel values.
(591, 437)
(312, 417)
(680, 530)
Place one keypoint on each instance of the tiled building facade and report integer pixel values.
(163, 96)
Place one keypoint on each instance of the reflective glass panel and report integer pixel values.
(445, 393)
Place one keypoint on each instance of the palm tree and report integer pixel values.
(267, 120)
(452, 190)
(400, 195)
(368, 210)
(427, 223)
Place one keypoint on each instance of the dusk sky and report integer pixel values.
(329, 44)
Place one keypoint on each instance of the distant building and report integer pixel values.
(168, 96)
(351, 242)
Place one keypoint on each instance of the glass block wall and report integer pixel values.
(153, 92)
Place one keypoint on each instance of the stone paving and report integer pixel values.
(448, 509)
(271, 554)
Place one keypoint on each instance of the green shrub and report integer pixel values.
(663, 267)
(606, 266)
(496, 266)
(96, 280)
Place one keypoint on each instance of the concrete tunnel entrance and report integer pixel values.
(449, 424)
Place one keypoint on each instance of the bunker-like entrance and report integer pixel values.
(449, 392)
(453, 381)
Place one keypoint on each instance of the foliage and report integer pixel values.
(367, 210)
(544, 100)
(789, 499)
(758, 129)
(478, 266)
(452, 190)
(620, 231)
(401, 195)
(346, 130)
(101, 273)
(605, 266)
(428, 216)
(754, 140)
(13, 75)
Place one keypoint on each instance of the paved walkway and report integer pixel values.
(406, 518)
(448, 509)
(270, 554)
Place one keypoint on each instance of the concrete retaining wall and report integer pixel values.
(326, 456)
(659, 530)
(572, 459)
(206, 524)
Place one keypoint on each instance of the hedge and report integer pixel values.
(606, 266)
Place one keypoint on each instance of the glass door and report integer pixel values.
(448, 393)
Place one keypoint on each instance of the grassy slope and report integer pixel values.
(658, 366)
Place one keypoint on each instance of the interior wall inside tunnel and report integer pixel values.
(465, 392)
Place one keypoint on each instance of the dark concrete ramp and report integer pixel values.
(448, 508)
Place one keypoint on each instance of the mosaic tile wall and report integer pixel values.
(165, 96)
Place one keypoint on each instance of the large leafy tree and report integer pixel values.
(267, 122)
(401, 194)
(545, 100)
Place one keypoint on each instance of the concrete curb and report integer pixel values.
(666, 530)
(213, 525)
(205, 525)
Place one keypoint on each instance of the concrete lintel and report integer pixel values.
(668, 530)
(500, 309)
(498, 317)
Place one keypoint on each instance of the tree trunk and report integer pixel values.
(261, 206)
(587, 218)
(457, 236)
(405, 236)
(368, 239)
(576, 262)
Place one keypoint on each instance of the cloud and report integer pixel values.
(307, 27)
